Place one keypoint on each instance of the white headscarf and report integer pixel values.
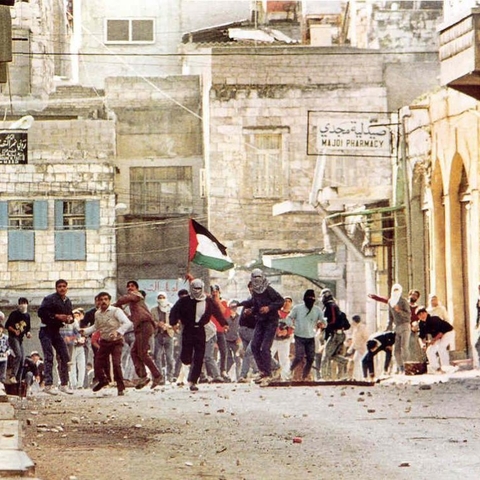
(259, 281)
(395, 295)
(197, 288)
(163, 303)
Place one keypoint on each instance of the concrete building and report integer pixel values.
(114, 38)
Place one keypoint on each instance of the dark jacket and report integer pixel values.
(184, 311)
(18, 321)
(336, 320)
(433, 326)
(51, 306)
(381, 341)
(89, 318)
(269, 298)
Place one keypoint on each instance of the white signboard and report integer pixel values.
(349, 134)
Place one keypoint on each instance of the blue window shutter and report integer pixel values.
(58, 214)
(40, 214)
(3, 215)
(21, 245)
(70, 245)
(92, 214)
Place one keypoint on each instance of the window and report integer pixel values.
(72, 219)
(161, 190)
(20, 215)
(21, 218)
(130, 30)
(72, 215)
(264, 154)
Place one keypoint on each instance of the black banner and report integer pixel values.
(13, 147)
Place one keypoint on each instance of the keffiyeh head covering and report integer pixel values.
(163, 303)
(197, 290)
(395, 295)
(259, 281)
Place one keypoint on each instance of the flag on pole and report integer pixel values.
(206, 250)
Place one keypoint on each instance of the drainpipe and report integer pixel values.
(406, 194)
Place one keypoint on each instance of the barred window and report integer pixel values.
(161, 190)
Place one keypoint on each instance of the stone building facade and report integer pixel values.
(442, 140)
(57, 212)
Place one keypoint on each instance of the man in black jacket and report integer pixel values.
(194, 312)
(380, 342)
(265, 304)
(337, 323)
(438, 335)
(55, 311)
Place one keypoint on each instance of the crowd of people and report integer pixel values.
(204, 338)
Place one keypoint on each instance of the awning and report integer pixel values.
(317, 267)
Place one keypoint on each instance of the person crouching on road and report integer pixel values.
(437, 334)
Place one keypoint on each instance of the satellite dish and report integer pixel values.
(23, 124)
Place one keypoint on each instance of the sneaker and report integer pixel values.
(142, 382)
(12, 380)
(121, 393)
(193, 388)
(260, 378)
(266, 381)
(218, 380)
(50, 390)
(65, 389)
(242, 380)
(98, 385)
(157, 381)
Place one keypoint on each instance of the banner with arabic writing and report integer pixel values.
(13, 147)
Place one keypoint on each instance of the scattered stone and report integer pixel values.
(425, 387)
(297, 439)
(75, 420)
(138, 425)
(404, 464)
(371, 410)
(189, 464)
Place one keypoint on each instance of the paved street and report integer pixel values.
(425, 428)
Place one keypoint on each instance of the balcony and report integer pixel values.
(460, 54)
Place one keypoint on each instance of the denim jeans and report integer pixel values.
(246, 334)
(261, 344)
(16, 346)
(53, 340)
(163, 354)
(211, 365)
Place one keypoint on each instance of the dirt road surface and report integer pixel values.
(426, 428)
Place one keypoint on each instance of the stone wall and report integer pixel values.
(252, 91)
(68, 160)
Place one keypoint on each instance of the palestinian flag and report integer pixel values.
(206, 250)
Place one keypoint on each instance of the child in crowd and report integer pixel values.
(4, 348)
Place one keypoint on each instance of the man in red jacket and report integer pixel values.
(144, 328)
